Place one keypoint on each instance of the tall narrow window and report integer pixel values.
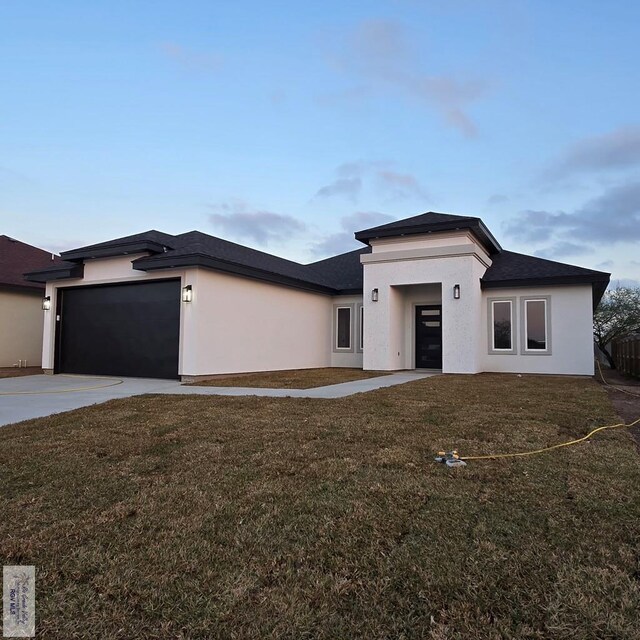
(535, 325)
(502, 325)
(361, 328)
(343, 328)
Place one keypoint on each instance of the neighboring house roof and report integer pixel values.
(432, 222)
(18, 258)
(341, 274)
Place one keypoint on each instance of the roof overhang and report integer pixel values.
(475, 225)
(156, 263)
(114, 249)
(62, 272)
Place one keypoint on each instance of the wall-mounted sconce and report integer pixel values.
(374, 295)
(46, 303)
(456, 292)
(187, 293)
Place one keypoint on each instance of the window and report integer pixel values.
(502, 325)
(343, 328)
(361, 328)
(502, 332)
(535, 325)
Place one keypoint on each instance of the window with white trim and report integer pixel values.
(502, 325)
(361, 320)
(535, 325)
(343, 327)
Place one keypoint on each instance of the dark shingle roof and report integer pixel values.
(154, 241)
(510, 269)
(344, 272)
(336, 275)
(509, 265)
(431, 222)
(18, 258)
(196, 247)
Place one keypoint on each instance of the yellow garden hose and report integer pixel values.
(113, 383)
(552, 447)
(452, 456)
(631, 393)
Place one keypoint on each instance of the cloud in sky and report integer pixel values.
(378, 56)
(497, 198)
(612, 217)
(400, 185)
(616, 150)
(564, 249)
(191, 60)
(630, 283)
(8, 175)
(344, 241)
(350, 177)
(348, 187)
(238, 220)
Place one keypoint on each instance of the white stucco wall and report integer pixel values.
(237, 325)
(571, 335)
(21, 322)
(388, 345)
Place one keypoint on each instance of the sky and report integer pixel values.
(287, 126)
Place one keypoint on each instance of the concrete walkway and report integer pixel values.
(38, 396)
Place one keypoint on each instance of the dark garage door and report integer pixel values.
(120, 330)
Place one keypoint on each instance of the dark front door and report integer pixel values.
(120, 330)
(429, 336)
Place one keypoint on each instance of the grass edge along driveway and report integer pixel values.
(212, 517)
(290, 378)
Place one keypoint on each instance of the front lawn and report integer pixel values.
(291, 379)
(245, 517)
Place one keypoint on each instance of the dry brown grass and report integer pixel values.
(290, 379)
(18, 372)
(216, 517)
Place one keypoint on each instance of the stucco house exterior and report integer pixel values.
(21, 318)
(435, 291)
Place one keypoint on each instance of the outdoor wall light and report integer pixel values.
(456, 292)
(46, 303)
(187, 293)
(374, 295)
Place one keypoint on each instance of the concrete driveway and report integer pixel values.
(38, 396)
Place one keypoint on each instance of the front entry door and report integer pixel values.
(429, 336)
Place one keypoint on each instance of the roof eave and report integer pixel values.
(473, 224)
(599, 284)
(62, 273)
(115, 249)
(349, 292)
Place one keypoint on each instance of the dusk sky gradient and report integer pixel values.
(287, 126)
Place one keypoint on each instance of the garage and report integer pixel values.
(128, 329)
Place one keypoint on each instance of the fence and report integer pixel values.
(626, 353)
